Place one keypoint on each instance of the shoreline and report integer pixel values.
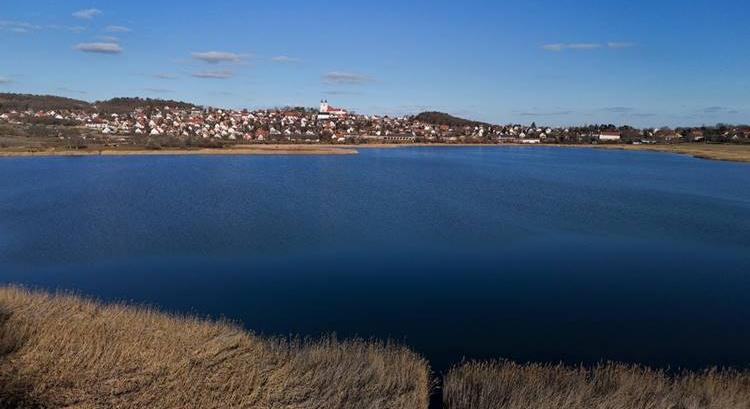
(722, 152)
(231, 151)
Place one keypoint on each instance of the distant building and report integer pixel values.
(328, 112)
(609, 136)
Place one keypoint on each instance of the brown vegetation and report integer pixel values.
(733, 152)
(506, 385)
(64, 351)
(22, 102)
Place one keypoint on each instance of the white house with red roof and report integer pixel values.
(328, 112)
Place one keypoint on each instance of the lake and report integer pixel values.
(533, 254)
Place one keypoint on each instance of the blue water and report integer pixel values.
(532, 254)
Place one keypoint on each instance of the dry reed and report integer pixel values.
(64, 351)
(507, 385)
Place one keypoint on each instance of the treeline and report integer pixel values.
(127, 105)
(26, 102)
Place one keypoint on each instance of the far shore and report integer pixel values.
(233, 150)
(724, 152)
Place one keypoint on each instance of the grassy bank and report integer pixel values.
(505, 385)
(63, 351)
(735, 153)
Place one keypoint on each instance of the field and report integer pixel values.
(506, 385)
(64, 351)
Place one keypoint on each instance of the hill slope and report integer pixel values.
(23, 102)
(441, 118)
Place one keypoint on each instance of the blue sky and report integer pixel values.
(647, 63)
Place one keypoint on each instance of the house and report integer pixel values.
(609, 136)
(697, 135)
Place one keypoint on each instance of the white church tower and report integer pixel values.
(324, 106)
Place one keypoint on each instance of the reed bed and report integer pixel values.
(507, 385)
(62, 351)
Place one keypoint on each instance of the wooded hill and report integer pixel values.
(24, 102)
(441, 118)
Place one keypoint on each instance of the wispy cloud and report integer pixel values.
(108, 39)
(284, 59)
(713, 110)
(72, 29)
(571, 46)
(217, 75)
(165, 76)
(99, 48)
(4, 80)
(87, 14)
(558, 47)
(346, 78)
(20, 27)
(117, 29)
(215, 57)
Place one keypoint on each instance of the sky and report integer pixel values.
(645, 63)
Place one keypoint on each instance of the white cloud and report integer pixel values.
(99, 48)
(20, 27)
(214, 57)
(285, 59)
(557, 47)
(217, 75)
(72, 29)
(117, 29)
(108, 39)
(571, 46)
(346, 78)
(87, 14)
(719, 110)
(165, 76)
(4, 80)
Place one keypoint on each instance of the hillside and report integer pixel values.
(125, 105)
(23, 102)
(441, 118)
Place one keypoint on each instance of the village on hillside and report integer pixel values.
(173, 124)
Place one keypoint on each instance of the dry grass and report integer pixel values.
(728, 152)
(64, 351)
(506, 385)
